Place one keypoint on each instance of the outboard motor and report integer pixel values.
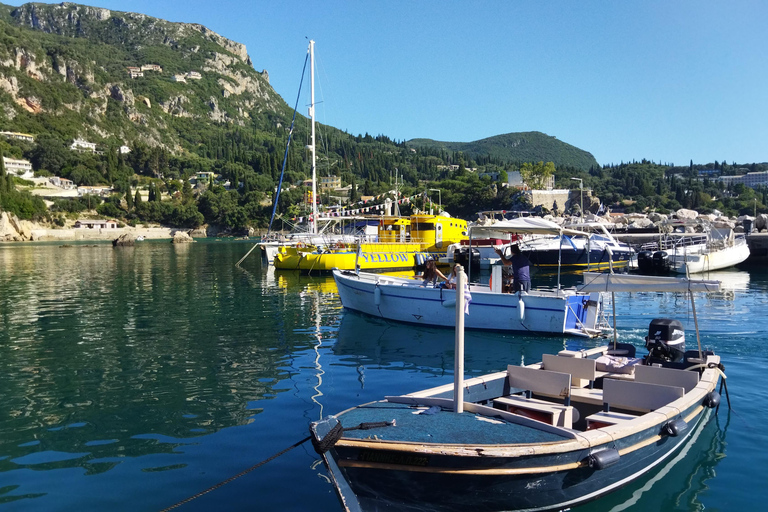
(461, 257)
(665, 341)
(661, 261)
(645, 262)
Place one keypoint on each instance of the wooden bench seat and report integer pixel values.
(667, 376)
(541, 410)
(604, 419)
(541, 383)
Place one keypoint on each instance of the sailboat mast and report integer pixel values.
(312, 147)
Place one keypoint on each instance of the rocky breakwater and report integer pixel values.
(680, 221)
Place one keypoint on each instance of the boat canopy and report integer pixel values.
(526, 226)
(599, 282)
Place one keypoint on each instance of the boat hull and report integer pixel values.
(452, 482)
(403, 300)
(372, 256)
(706, 260)
(580, 259)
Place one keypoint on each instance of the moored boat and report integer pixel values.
(546, 436)
(402, 243)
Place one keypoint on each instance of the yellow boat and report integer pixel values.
(397, 247)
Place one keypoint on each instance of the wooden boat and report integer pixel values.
(546, 436)
(395, 248)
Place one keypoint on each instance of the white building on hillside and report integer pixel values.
(83, 145)
(21, 168)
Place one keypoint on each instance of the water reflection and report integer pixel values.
(363, 340)
(680, 483)
(113, 353)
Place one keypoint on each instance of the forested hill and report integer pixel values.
(517, 147)
(65, 70)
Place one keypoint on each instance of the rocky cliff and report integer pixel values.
(67, 69)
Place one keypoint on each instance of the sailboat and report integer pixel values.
(319, 232)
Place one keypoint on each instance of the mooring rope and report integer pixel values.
(230, 479)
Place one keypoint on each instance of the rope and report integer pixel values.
(230, 479)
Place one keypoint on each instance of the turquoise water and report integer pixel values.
(134, 378)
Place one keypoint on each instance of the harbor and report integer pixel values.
(109, 405)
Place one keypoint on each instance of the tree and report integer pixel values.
(536, 175)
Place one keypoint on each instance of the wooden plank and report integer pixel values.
(578, 367)
(554, 414)
(542, 382)
(639, 396)
(667, 376)
(603, 419)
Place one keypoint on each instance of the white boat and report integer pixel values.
(716, 249)
(407, 300)
(541, 310)
(590, 246)
(546, 436)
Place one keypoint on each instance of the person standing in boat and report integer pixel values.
(432, 273)
(520, 276)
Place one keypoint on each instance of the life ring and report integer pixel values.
(490, 282)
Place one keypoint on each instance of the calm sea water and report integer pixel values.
(134, 378)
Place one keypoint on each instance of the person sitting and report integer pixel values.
(432, 273)
(521, 275)
(450, 282)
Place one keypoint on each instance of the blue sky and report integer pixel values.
(669, 81)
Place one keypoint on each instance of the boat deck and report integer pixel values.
(413, 425)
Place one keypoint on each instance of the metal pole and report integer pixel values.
(458, 371)
(312, 148)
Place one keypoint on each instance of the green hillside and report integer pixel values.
(517, 147)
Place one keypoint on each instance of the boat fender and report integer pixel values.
(674, 428)
(603, 459)
(521, 306)
(712, 399)
(377, 295)
(450, 303)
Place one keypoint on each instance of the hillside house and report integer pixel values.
(94, 190)
(330, 182)
(18, 136)
(83, 145)
(60, 182)
(178, 78)
(21, 168)
(194, 75)
(124, 150)
(151, 67)
(95, 224)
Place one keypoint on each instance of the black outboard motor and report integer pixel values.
(665, 341)
(461, 257)
(661, 261)
(645, 262)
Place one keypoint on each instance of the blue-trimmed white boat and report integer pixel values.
(546, 436)
(541, 310)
